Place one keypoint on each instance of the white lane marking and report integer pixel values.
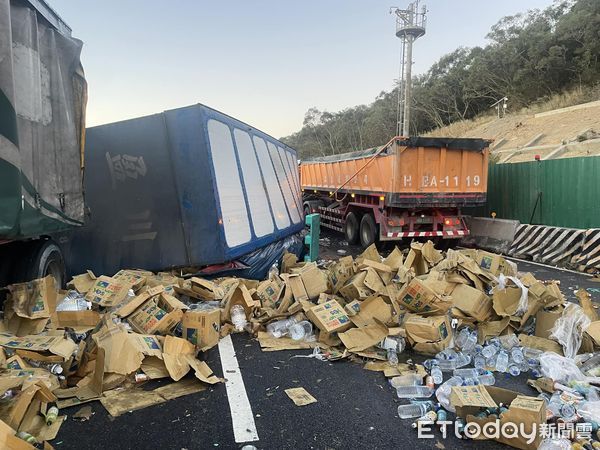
(242, 418)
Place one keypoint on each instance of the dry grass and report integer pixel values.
(564, 100)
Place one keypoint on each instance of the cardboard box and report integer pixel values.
(426, 329)
(31, 299)
(506, 301)
(82, 282)
(269, 292)
(329, 317)
(207, 290)
(202, 327)
(353, 308)
(107, 292)
(158, 315)
(545, 345)
(340, 272)
(355, 287)
(314, 280)
(294, 281)
(545, 320)
(371, 309)
(472, 302)
(528, 411)
(360, 339)
(135, 278)
(418, 297)
(130, 305)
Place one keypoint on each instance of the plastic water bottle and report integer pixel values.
(280, 327)
(514, 370)
(460, 360)
(437, 375)
(238, 317)
(509, 341)
(410, 379)
(414, 410)
(461, 337)
(470, 342)
(489, 351)
(479, 361)
(517, 355)
(274, 271)
(74, 301)
(414, 392)
(300, 330)
(555, 444)
(502, 361)
(467, 373)
(487, 379)
(443, 392)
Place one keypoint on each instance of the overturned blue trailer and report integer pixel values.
(186, 187)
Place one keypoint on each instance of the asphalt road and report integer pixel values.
(355, 408)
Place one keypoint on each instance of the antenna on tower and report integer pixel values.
(410, 25)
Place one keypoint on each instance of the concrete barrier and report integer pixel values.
(495, 235)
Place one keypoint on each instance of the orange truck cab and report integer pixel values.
(409, 188)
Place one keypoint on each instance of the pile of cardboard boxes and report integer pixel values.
(143, 326)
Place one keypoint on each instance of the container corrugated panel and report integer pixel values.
(567, 192)
(187, 187)
(42, 112)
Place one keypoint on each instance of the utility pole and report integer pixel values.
(410, 25)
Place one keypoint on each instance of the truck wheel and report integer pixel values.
(368, 230)
(351, 228)
(48, 260)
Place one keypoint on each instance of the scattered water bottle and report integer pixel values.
(238, 317)
(414, 392)
(414, 410)
(274, 271)
(489, 351)
(74, 301)
(470, 342)
(460, 360)
(508, 341)
(502, 361)
(410, 379)
(517, 355)
(468, 373)
(514, 370)
(280, 327)
(487, 379)
(555, 444)
(443, 392)
(479, 361)
(437, 375)
(461, 337)
(300, 330)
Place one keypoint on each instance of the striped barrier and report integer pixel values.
(558, 246)
(589, 257)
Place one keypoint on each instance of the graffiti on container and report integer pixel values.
(122, 167)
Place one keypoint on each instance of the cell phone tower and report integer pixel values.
(410, 25)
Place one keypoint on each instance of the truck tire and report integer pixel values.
(368, 230)
(46, 260)
(351, 228)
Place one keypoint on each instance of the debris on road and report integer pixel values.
(300, 396)
(469, 311)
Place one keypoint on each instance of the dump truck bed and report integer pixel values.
(407, 172)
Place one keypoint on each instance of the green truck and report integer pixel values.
(42, 135)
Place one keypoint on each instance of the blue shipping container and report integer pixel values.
(186, 187)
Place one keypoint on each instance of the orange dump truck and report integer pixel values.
(409, 188)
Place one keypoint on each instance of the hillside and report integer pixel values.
(532, 58)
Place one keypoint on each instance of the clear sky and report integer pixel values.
(262, 61)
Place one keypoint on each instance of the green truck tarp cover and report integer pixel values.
(42, 108)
